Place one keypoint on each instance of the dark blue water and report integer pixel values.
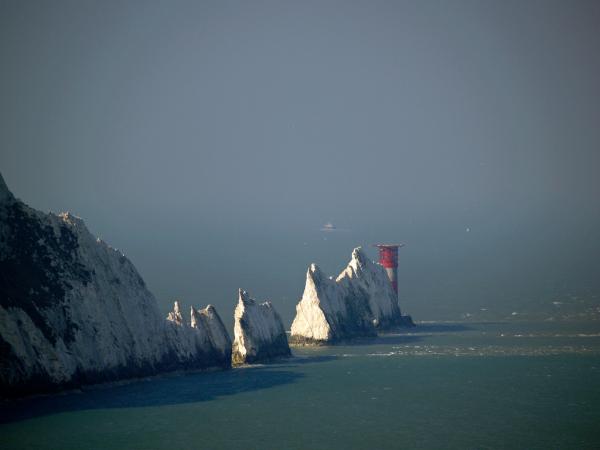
(463, 386)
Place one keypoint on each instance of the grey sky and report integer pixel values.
(211, 140)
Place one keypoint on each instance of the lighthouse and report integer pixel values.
(388, 258)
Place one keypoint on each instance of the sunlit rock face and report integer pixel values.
(203, 338)
(75, 311)
(364, 279)
(259, 335)
(357, 303)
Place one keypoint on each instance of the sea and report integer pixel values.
(441, 385)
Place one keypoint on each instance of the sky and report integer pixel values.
(210, 141)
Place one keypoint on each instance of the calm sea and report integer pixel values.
(443, 385)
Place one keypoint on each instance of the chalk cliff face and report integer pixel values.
(75, 311)
(259, 335)
(358, 302)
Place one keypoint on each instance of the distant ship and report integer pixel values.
(329, 227)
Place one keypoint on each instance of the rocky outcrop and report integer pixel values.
(328, 312)
(357, 303)
(259, 335)
(75, 311)
(364, 279)
(204, 338)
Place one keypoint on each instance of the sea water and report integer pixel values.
(514, 385)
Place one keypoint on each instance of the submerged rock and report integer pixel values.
(357, 303)
(75, 311)
(259, 335)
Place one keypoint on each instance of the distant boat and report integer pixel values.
(329, 227)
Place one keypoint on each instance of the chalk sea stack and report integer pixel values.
(259, 335)
(358, 303)
(203, 338)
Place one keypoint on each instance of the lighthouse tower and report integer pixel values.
(388, 258)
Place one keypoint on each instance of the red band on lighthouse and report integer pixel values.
(388, 258)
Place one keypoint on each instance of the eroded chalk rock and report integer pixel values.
(259, 335)
(357, 303)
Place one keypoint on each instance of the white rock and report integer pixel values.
(204, 335)
(259, 335)
(75, 311)
(359, 301)
(175, 315)
(371, 281)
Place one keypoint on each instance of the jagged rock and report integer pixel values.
(259, 335)
(175, 315)
(204, 337)
(357, 303)
(329, 312)
(365, 279)
(75, 311)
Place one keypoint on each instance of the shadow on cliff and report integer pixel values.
(158, 391)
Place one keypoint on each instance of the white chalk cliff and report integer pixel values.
(358, 302)
(259, 335)
(75, 311)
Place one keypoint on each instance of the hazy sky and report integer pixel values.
(211, 140)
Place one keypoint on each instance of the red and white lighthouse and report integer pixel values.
(388, 258)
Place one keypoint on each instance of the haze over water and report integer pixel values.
(210, 141)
